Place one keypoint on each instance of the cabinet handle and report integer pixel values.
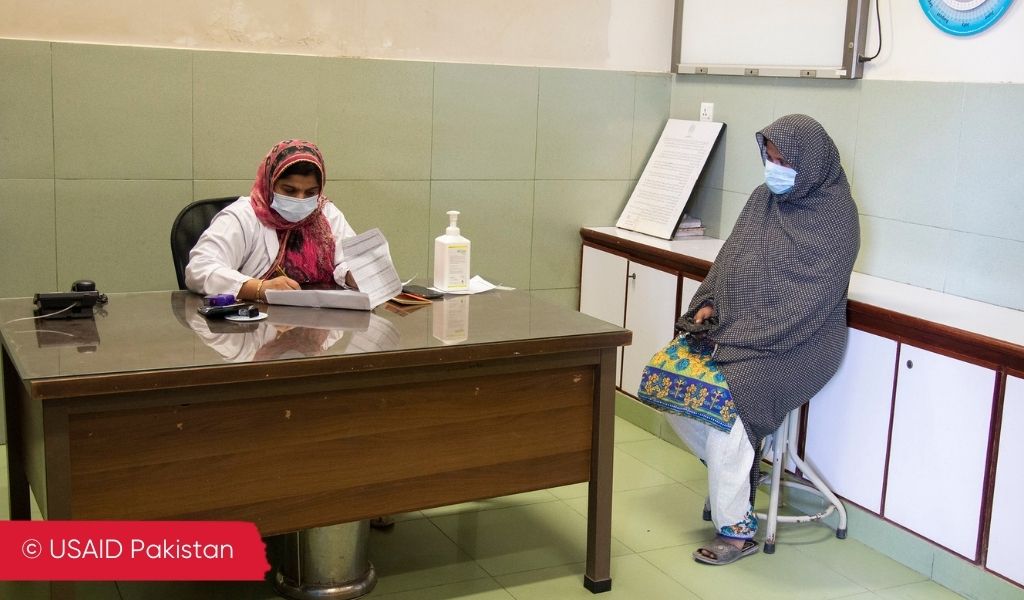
(910, 364)
(633, 277)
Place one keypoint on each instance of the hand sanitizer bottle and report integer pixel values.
(451, 258)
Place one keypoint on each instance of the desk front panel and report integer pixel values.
(291, 458)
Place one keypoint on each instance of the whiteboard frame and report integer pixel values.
(853, 48)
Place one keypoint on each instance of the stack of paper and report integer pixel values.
(369, 260)
(689, 227)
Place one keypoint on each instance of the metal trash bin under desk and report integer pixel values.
(326, 563)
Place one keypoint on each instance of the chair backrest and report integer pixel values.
(190, 223)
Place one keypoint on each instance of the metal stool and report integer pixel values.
(784, 446)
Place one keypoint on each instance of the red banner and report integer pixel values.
(131, 551)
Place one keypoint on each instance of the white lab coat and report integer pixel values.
(237, 247)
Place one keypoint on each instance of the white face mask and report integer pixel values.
(294, 209)
(778, 178)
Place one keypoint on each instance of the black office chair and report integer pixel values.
(190, 223)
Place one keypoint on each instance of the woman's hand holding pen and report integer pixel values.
(281, 282)
(256, 289)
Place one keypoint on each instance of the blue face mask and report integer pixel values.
(294, 209)
(778, 178)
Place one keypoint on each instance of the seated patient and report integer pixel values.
(285, 234)
(775, 300)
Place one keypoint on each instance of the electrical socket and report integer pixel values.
(707, 111)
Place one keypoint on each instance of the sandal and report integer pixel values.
(720, 552)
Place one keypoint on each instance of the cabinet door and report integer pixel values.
(689, 290)
(1004, 555)
(937, 457)
(650, 315)
(603, 292)
(603, 286)
(848, 421)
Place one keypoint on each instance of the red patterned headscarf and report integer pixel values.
(306, 248)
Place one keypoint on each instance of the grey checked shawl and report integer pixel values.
(779, 283)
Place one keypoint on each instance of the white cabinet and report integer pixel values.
(937, 457)
(689, 290)
(1004, 554)
(603, 286)
(848, 421)
(603, 292)
(640, 298)
(650, 315)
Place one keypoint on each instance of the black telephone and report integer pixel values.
(79, 303)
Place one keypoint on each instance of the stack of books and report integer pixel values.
(688, 227)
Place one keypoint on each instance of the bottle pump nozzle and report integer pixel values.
(453, 226)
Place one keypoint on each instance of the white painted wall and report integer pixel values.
(629, 35)
(915, 50)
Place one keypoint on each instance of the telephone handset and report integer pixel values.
(76, 304)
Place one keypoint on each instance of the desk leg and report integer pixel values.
(599, 511)
(18, 498)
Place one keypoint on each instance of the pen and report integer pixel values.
(281, 271)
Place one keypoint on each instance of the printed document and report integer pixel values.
(665, 186)
(369, 260)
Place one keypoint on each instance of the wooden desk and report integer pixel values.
(286, 425)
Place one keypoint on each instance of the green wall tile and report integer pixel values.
(375, 118)
(29, 262)
(496, 218)
(564, 297)
(122, 112)
(220, 188)
(399, 209)
(585, 124)
(653, 96)
(485, 122)
(706, 204)
(986, 268)
(244, 104)
(638, 414)
(117, 232)
(970, 580)
(687, 94)
(561, 208)
(717, 209)
(906, 252)
(988, 187)
(906, 156)
(745, 105)
(833, 103)
(26, 121)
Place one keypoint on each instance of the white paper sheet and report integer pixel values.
(369, 260)
(350, 299)
(665, 186)
(478, 285)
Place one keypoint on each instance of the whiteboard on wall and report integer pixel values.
(789, 38)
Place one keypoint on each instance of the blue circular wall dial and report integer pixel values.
(964, 17)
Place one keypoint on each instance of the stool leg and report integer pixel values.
(813, 477)
(779, 445)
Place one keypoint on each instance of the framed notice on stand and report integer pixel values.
(665, 186)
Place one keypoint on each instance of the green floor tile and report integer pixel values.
(522, 538)
(415, 555)
(633, 578)
(780, 576)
